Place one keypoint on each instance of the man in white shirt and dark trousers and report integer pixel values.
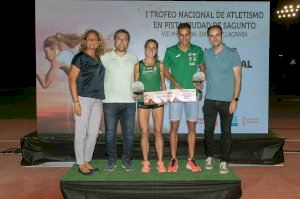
(118, 103)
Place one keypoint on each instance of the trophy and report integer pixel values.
(137, 89)
(199, 77)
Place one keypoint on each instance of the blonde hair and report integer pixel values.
(71, 40)
(83, 47)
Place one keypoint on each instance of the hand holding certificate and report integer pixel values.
(157, 97)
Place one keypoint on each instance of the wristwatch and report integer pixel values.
(236, 99)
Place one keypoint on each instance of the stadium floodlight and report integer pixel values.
(288, 11)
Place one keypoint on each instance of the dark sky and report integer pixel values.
(18, 51)
(18, 45)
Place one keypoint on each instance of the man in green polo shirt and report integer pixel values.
(184, 60)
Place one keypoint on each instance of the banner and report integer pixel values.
(245, 26)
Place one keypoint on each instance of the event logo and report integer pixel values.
(200, 120)
(246, 64)
(250, 120)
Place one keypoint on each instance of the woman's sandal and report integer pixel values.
(85, 173)
(94, 170)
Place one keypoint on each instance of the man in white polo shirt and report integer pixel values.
(118, 103)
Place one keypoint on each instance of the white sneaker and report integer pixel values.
(224, 168)
(209, 163)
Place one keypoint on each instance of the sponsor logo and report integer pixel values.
(192, 58)
(234, 121)
(200, 120)
(250, 120)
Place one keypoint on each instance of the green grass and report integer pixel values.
(119, 174)
(18, 103)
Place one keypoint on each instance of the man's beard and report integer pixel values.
(121, 49)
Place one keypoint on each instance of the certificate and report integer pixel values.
(170, 95)
(156, 97)
(182, 95)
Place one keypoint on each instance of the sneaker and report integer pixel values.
(209, 163)
(173, 166)
(161, 167)
(224, 168)
(191, 164)
(110, 166)
(145, 167)
(127, 167)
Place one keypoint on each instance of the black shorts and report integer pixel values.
(145, 106)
